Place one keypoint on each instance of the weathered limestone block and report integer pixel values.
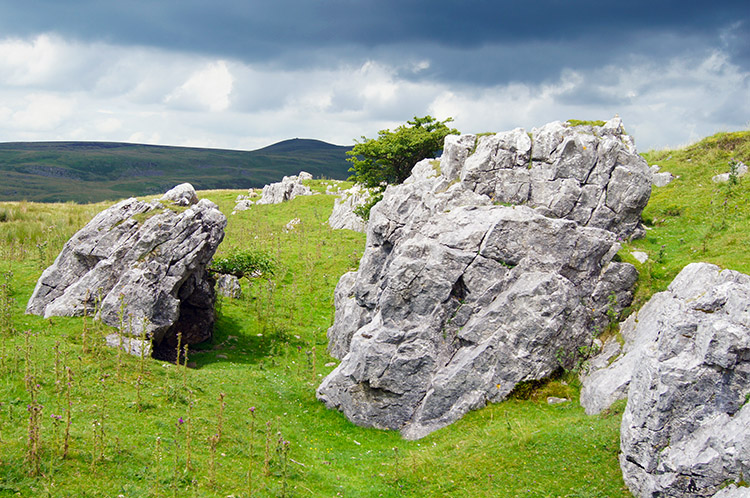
(285, 190)
(686, 428)
(343, 216)
(142, 263)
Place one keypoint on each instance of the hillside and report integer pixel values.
(269, 353)
(97, 171)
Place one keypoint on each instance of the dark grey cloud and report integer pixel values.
(475, 40)
(238, 73)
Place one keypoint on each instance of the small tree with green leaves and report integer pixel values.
(390, 158)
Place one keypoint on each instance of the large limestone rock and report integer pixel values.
(482, 271)
(343, 215)
(285, 190)
(686, 428)
(143, 263)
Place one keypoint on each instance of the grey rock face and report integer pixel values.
(343, 216)
(732, 491)
(591, 175)
(145, 264)
(285, 190)
(181, 195)
(457, 299)
(740, 171)
(662, 179)
(686, 428)
(229, 286)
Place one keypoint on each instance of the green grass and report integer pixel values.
(694, 219)
(269, 353)
(583, 122)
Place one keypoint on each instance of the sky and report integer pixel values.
(242, 74)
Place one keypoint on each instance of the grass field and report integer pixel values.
(244, 420)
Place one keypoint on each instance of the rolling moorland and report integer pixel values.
(78, 419)
(98, 171)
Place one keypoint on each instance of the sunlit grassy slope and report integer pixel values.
(693, 218)
(250, 422)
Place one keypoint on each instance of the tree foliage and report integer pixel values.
(390, 157)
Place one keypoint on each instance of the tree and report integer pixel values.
(390, 157)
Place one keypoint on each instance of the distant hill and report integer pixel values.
(98, 171)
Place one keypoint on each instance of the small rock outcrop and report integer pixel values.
(660, 178)
(142, 264)
(229, 286)
(640, 256)
(343, 216)
(739, 170)
(685, 430)
(285, 190)
(484, 270)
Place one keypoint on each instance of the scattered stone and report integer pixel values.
(229, 286)
(291, 225)
(343, 216)
(141, 263)
(640, 256)
(553, 400)
(484, 270)
(221, 357)
(662, 179)
(741, 170)
(285, 190)
(242, 205)
(333, 188)
(181, 195)
(330, 364)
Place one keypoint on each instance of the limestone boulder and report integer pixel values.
(686, 427)
(343, 216)
(141, 265)
(739, 170)
(285, 190)
(475, 277)
(229, 286)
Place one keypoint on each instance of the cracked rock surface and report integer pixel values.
(686, 428)
(144, 262)
(487, 268)
(343, 216)
(287, 189)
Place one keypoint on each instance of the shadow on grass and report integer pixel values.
(234, 342)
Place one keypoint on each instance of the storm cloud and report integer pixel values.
(241, 74)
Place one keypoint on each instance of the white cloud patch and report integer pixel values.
(208, 88)
(42, 112)
(661, 104)
(55, 89)
(33, 62)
